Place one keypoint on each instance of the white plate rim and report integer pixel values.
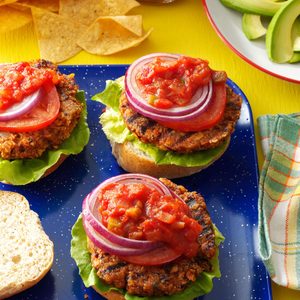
(238, 52)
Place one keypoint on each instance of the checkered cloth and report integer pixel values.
(279, 198)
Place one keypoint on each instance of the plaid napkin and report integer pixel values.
(279, 198)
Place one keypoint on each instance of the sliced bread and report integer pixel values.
(26, 252)
(133, 160)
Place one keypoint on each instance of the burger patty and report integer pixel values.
(199, 212)
(149, 131)
(34, 144)
(167, 279)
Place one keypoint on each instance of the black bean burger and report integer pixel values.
(42, 120)
(143, 238)
(171, 115)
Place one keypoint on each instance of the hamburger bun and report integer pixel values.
(189, 140)
(26, 252)
(32, 147)
(134, 160)
(112, 295)
(55, 166)
(137, 275)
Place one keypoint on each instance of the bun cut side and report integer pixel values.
(26, 252)
(133, 160)
(54, 167)
(112, 295)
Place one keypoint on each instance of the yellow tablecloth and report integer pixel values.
(182, 27)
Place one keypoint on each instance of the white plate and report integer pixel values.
(228, 25)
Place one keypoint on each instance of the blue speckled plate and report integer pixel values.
(229, 187)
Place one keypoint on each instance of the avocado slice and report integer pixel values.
(296, 35)
(279, 42)
(252, 26)
(259, 7)
(296, 42)
(295, 58)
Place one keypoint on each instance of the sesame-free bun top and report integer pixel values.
(26, 252)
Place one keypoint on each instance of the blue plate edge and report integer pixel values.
(253, 153)
(238, 91)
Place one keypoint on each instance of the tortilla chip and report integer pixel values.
(87, 11)
(118, 7)
(107, 36)
(84, 11)
(5, 2)
(52, 5)
(57, 35)
(131, 23)
(12, 18)
(20, 7)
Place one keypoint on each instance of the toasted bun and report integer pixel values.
(54, 167)
(26, 252)
(112, 295)
(133, 160)
(50, 170)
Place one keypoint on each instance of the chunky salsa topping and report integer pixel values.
(168, 83)
(140, 212)
(20, 80)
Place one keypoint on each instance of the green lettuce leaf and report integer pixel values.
(116, 131)
(111, 95)
(24, 171)
(81, 255)
(114, 127)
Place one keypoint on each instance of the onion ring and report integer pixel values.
(198, 104)
(89, 216)
(23, 107)
(92, 217)
(104, 244)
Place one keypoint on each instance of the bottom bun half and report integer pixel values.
(112, 295)
(133, 160)
(55, 166)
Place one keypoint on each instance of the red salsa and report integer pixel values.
(137, 211)
(169, 83)
(20, 80)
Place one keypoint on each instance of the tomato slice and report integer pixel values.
(211, 116)
(39, 117)
(154, 257)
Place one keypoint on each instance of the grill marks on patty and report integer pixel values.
(149, 131)
(34, 144)
(199, 212)
(150, 281)
(169, 278)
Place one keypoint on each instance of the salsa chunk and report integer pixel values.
(137, 211)
(22, 79)
(168, 83)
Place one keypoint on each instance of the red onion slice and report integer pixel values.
(198, 103)
(132, 251)
(107, 246)
(92, 217)
(89, 216)
(167, 118)
(23, 107)
(137, 178)
(133, 91)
